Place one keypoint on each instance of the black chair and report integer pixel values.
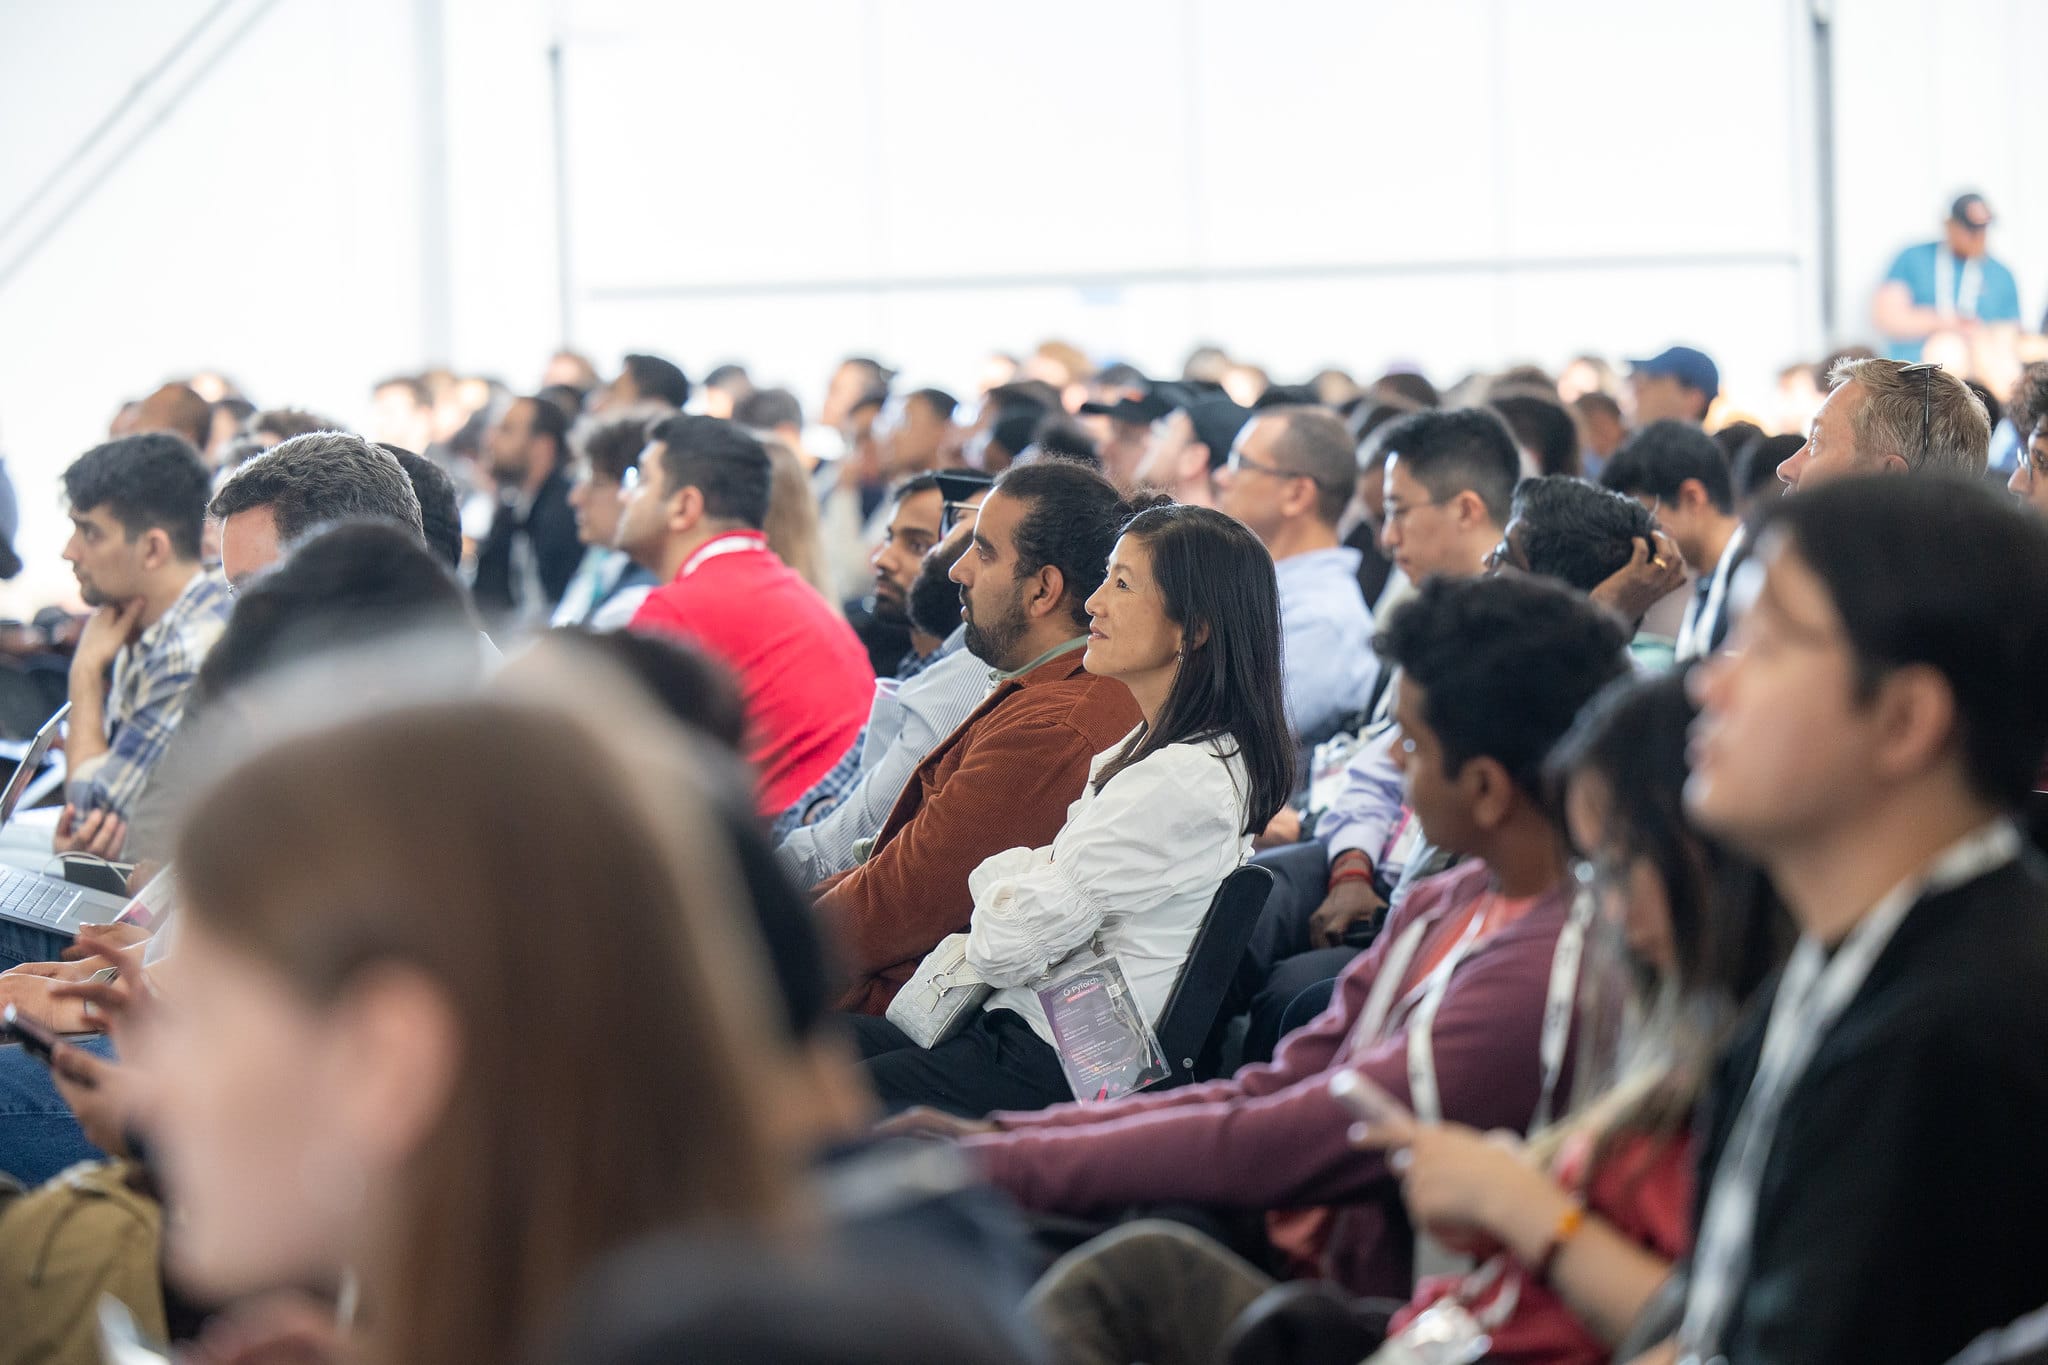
(1194, 1012)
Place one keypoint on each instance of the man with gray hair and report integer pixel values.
(276, 499)
(1290, 475)
(1884, 417)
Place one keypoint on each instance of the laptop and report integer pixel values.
(35, 898)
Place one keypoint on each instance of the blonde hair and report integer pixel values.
(1924, 415)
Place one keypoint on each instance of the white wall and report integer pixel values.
(362, 186)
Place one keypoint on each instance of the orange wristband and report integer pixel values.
(1568, 1224)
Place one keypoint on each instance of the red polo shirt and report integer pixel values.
(801, 670)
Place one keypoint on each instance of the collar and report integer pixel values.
(1332, 561)
(1982, 851)
(730, 543)
(997, 675)
(182, 606)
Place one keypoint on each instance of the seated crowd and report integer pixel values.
(1111, 870)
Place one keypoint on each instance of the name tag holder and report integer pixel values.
(1105, 1046)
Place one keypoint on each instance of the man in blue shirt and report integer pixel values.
(1952, 285)
(1290, 476)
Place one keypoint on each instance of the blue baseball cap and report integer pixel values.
(1694, 369)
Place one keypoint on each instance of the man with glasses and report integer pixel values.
(2029, 413)
(1871, 1181)
(1950, 287)
(1289, 478)
(1884, 417)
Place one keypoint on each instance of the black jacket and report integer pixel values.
(551, 523)
(1904, 1206)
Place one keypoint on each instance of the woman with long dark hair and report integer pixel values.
(1188, 619)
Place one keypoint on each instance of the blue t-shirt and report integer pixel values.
(1998, 297)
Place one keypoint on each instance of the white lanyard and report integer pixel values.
(1696, 638)
(1423, 1096)
(1953, 298)
(732, 543)
(1812, 996)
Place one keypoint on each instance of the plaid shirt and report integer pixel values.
(152, 677)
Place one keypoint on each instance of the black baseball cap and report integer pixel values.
(1158, 400)
(1217, 420)
(1970, 211)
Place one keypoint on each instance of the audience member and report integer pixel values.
(856, 378)
(1005, 777)
(724, 388)
(1601, 429)
(1289, 478)
(572, 370)
(175, 408)
(792, 525)
(1188, 445)
(646, 379)
(440, 509)
(532, 551)
(608, 587)
(1682, 475)
(1678, 382)
(283, 495)
(1188, 620)
(822, 833)
(1755, 473)
(1124, 429)
(341, 1010)
(1872, 1188)
(776, 413)
(228, 416)
(694, 520)
(274, 426)
(1882, 417)
(1544, 432)
(1447, 1013)
(402, 412)
(1583, 536)
(2029, 412)
(137, 506)
(912, 430)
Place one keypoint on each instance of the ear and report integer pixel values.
(1692, 495)
(1915, 711)
(1196, 638)
(1492, 793)
(155, 548)
(397, 1052)
(1298, 497)
(1893, 464)
(1044, 592)
(1194, 461)
(1469, 509)
(685, 509)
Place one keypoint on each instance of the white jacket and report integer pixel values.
(1140, 862)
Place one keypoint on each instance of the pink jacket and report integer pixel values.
(1271, 1138)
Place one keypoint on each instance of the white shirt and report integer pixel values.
(1140, 862)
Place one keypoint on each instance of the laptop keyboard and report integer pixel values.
(29, 897)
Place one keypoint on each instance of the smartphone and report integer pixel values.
(36, 1039)
(1367, 1101)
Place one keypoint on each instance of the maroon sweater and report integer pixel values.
(1271, 1138)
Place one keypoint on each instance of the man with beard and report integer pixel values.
(533, 550)
(138, 507)
(820, 836)
(1039, 549)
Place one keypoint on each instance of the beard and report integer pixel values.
(889, 602)
(994, 638)
(934, 602)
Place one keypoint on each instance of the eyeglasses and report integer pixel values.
(1505, 556)
(1237, 464)
(951, 514)
(1927, 373)
(1397, 513)
(629, 479)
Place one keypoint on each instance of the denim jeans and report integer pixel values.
(21, 943)
(38, 1135)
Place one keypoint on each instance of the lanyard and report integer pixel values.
(1423, 1095)
(1696, 637)
(1811, 998)
(1950, 296)
(731, 543)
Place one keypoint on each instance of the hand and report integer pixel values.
(1351, 901)
(76, 970)
(1284, 828)
(119, 935)
(932, 1123)
(1456, 1178)
(102, 833)
(106, 631)
(1652, 573)
(117, 1005)
(36, 996)
(100, 1094)
(283, 1328)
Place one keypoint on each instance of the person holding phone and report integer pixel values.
(1188, 619)
(1575, 1229)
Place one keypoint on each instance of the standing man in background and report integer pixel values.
(1949, 286)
